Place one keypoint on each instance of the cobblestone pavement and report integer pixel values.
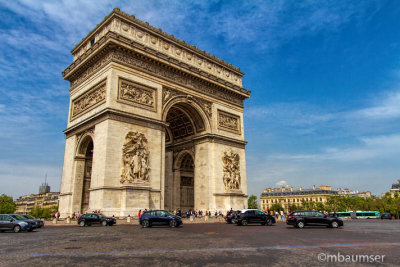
(208, 244)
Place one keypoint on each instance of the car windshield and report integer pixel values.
(27, 216)
(18, 217)
(169, 213)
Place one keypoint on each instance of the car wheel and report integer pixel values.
(172, 224)
(82, 223)
(17, 229)
(145, 224)
(2, 231)
(268, 222)
(300, 224)
(104, 223)
(244, 222)
(334, 224)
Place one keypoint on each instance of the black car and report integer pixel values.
(159, 217)
(36, 222)
(254, 216)
(14, 223)
(386, 215)
(231, 217)
(95, 218)
(300, 219)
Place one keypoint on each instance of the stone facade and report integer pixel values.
(154, 123)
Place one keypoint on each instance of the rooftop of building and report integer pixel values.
(290, 191)
(396, 186)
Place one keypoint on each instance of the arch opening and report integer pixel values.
(87, 150)
(186, 183)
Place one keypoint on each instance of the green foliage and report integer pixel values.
(276, 207)
(252, 202)
(7, 204)
(45, 213)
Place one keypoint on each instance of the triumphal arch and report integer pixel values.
(153, 123)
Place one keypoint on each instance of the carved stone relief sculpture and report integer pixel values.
(231, 170)
(135, 159)
(133, 93)
(92, 98)
(228, 122)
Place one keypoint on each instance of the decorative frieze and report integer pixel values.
(231, 170)
(136, 94)
(151, 67)
(228, 122)
(89, 100)
(135, 159)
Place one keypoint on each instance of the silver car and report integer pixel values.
(14, 223)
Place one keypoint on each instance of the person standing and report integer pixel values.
(140, 214)
(282, 216)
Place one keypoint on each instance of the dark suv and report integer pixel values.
(159, 217)
(300, 219)
(254, 216)
(95, 218)
(14, 223)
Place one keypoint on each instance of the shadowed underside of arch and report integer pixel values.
(183, 121)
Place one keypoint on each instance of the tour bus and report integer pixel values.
(358, 215)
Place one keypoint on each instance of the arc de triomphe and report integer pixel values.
(153, 123)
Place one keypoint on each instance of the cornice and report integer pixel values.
(89, 61)
(157, 32)
(113, 114)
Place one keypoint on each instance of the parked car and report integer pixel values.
(254, 216)
(95, 218)
(300, 219)
(37, 223)
(159, 217)
(386, 215)
(231, 217)
(11, 222)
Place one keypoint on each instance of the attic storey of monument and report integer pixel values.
(161, 119)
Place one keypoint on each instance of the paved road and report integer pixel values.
(200, 244)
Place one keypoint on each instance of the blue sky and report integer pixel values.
(324, 76)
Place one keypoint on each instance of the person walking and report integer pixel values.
(282, 216)
(139, 215)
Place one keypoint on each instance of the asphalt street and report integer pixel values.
(204, 245)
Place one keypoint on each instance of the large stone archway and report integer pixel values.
(165, 121)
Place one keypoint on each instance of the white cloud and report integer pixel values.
(281, 183)
(388, 108)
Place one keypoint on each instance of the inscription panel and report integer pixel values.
(89, 100)
(228, 122)
(136, 94)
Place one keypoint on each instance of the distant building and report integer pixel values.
(395, 188)
(45, 199)
(44, 188)
(287, 196)
(351, 193)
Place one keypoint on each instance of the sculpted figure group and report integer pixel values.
(135, 159)
(231, 170)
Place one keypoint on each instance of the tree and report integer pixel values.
(7, 204)
(252, 202)
(276, 207)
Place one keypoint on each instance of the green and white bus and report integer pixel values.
(358, 215)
